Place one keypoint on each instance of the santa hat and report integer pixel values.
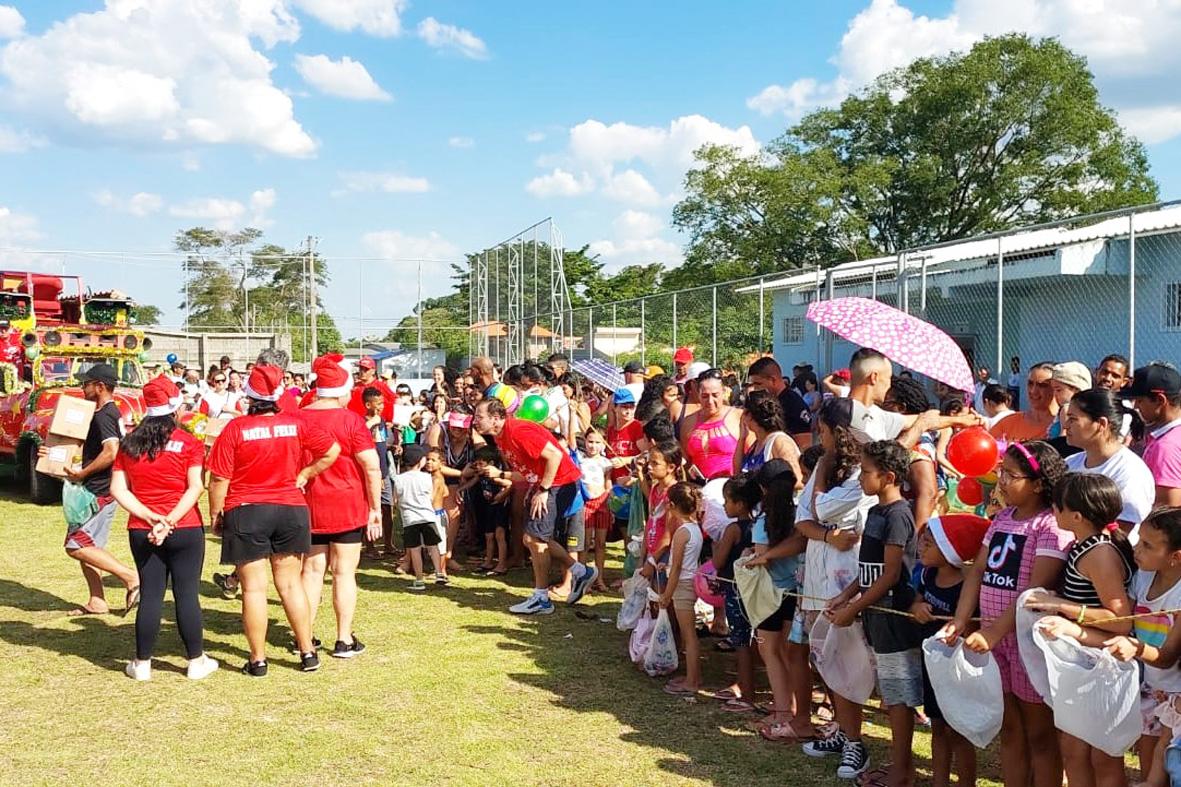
(332, 379)
(161, 397)
(265, 383)
(958, 536)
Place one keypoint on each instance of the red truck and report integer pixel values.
(50, 332)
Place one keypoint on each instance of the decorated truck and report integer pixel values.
(50, 332)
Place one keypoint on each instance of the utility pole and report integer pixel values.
(312, 293)
(418, 358)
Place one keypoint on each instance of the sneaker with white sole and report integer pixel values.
(854, 760)
(418, 585)
(579, 585)
(441, 579)
(343, 651)
(255, 669)
(534, 605)
(201, 667)
(833, 744)
(139, 670)
(309, 662)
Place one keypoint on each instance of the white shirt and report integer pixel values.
(873, 423)
(595, 470)
(992, 420)
(1136, 485)
(827, 570)
(1153, 630)
(714, 520)
(414, 492)
(637, 390)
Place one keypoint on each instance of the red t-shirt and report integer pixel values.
(388, 397)
(261, 456)
(624, 442)
(521, 444)
(336, 497)
(161, 482)
(288, 403)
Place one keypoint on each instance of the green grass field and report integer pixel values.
(452, 690)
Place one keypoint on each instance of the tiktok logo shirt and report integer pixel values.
(1013, 545)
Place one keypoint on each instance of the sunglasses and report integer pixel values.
(219, 379)
(710, 374)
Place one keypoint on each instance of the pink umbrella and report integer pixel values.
(906, 340)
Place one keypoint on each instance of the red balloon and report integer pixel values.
(973, 452)
(970, 492)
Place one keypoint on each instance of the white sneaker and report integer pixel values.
(201, 667)
(139, 670)
(534, 605)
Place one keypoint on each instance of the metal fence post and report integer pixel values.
(643, 332)
(1132, 290)
(762, 315)
(1000, 309)
(590, 330)
(674, 322)
(714, 357)
(614, 332)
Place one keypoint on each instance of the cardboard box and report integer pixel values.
(71, 417)
(214, 427)
(63, 452)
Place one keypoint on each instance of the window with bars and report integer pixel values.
(1173, 306)
(793, 330)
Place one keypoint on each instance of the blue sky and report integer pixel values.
(451, 125)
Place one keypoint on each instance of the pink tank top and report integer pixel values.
(710, 447)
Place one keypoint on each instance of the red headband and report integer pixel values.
(1029, 457)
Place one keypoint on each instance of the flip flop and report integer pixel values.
(726, 694)
(739, 706)
(679, 691)
(132, 599)
(782, 732)
(875, 777)
(80, 611)
(724, 646)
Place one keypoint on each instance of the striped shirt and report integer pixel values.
(1076, 588)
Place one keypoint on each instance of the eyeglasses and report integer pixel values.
(1003, 473)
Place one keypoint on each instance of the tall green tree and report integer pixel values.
(1007, 134)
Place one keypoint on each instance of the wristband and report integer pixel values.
(1082, 614)
(826, 532)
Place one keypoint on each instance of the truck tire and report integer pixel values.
(43, 489)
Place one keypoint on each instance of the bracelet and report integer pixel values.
(826, 532)
(1082, 614)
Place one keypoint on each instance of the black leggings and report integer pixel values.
(180, 558)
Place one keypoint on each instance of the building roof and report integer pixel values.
(1164, 219)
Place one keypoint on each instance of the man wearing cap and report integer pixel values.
(535, 456)
(681, 360)
(1156, 393)
(367, 378)
(86, 540)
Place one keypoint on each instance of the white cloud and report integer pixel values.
(1130, 47)
(17, 228)
(461, 142)
(534, 137)
(631, 187)
(228, 214)
(158, 72)
(389, 182)
(637, 241)
(375, 17)
(636, 224)
(560, 183)
(600, 146)
(190, 163)
(18, 141)
(397, 245)
(140, 204)
(12, 24)
(440, 36)
(345, 78)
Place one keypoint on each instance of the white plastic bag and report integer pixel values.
(1096, 697)
(637, 644)
(1031, 655)
(843, 659)
(635, 598)
(661, 658)
(968, 686)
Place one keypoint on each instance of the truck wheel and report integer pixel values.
(43, 489)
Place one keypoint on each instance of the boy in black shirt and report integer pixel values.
(886, 560)
(943, 548)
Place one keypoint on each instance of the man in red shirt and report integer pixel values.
(535, 456)
(367, 378)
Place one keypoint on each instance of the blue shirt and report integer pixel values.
(781, 569)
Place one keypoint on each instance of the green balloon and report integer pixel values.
(535, 408)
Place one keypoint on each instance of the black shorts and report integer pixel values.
(356, 536)
(781, 617)
(490, 517)
(420, 534)
(258, 530)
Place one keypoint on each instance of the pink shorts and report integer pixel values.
(1014, 679)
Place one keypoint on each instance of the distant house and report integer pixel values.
(1061, 294)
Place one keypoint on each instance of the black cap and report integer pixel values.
(412, 454)
(1156, 378)
(100, 373)
(635, 367)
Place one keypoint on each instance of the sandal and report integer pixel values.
(724, 646)
(875, 777)
(782, 732)
(727, 694)
(132, 599)
(678, 690)
(739, 705)
(81, 611)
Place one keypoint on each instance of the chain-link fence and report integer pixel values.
(1078, 289)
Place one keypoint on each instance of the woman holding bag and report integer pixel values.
(157, 479)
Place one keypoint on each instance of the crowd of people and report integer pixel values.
(808, 503)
